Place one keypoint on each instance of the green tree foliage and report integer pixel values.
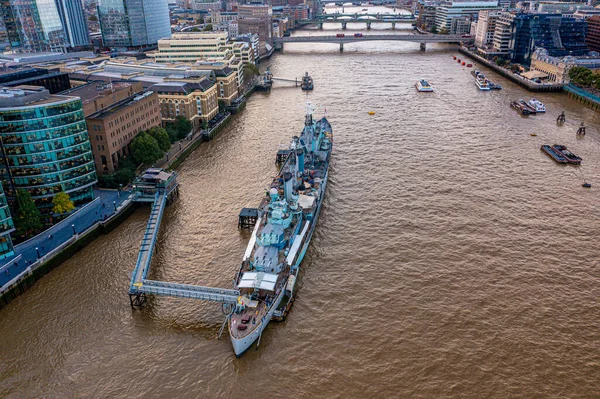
(208, 27)
(93, 18)
(251, 69)
(162, 138)
(434, 29)
(145, 149)
(29, 219)
(582, 76)
(124, 175)
(178, 129)
(62, 203)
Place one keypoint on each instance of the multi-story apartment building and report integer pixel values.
(133, 23)
(112, 128)
(196, 102)
(46, 146)
(450, 10)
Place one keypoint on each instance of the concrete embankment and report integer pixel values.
(521, 81)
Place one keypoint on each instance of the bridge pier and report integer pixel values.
(321, 25)
(368, 26)
(137, 300)
(423, 46)
(393, 25)
(341, 47)
(344, 25)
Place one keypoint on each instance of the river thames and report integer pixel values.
(452, 257)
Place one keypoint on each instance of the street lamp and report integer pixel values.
(115, 205)
(38, 252)
(74, 231)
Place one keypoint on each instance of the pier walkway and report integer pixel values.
(158, 187)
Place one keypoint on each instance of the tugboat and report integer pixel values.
(519, 107)
(570, 157)
(423, 86)
(287, 218)
(307, 82)
(537, 105)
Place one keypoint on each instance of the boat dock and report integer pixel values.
(158, 187)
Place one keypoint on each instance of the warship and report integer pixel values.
(288, 215)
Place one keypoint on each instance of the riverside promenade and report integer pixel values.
(30, 254)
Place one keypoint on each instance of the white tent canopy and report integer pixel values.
(261, 281)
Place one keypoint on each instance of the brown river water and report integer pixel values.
(452, 257)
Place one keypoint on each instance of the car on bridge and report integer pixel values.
(358, 35)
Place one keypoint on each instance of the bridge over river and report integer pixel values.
(422, 39)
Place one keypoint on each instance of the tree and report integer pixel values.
(29, 218)
(179, 128)
(93, 18)
(251, 69)
(62, 203)
(162, 138)
(145, 149)
(208, 27)
(434, 29)
(444, 31)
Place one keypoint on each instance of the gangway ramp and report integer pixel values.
(189, 291)
(148, 241)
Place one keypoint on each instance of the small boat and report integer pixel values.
(371, 112)
(587, 185)
(307, 82)
(519, 107)
(533, 135)
(537, 105)
(529, 107)
(554, 154)
(423, 85)
(571, 158)
(469, 65)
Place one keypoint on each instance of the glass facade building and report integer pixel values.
(558, 34)
(6, 227)
(41, 25)
(45, 146)
(133, 23)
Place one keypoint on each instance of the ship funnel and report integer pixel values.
(300, 156)
(287, 186)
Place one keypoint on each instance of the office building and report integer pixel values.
(558, 34)
(74, 23)
(196, 102)
(7, 226)
(458, 10)
(47, 148)
(593, 36)
(133, 23)
(257, 19)
(54, 81)
(112, 129)
(41, 25)
(485, 28)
